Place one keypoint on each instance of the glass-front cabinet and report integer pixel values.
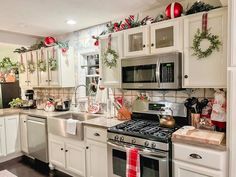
(166, 36)
(136, 41)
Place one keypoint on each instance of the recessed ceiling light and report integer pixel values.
(71, 22)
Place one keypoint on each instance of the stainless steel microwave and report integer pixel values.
(162, 71)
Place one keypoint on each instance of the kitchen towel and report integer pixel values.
(133, 162)
(5, 173)
(71, 126)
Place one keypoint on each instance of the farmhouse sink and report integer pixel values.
(57, 124)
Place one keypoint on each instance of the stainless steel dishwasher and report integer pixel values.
(37, 138)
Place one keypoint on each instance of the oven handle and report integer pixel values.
(158, 73)
(143, 152)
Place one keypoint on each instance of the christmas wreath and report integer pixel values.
(205, 35)
(110, 56)
(42, 66)
(52, 64)
(21, 67)
(31, 66)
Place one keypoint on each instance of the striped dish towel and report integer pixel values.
(133, 162)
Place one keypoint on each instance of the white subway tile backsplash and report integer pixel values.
(198, 93)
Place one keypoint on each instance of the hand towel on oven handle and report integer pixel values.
(132, 162)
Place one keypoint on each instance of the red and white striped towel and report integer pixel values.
(132, 163)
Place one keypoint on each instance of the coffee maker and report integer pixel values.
(30, 101)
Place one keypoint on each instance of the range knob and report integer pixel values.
(121, 138)
(116, 137)
(146, 143)
(133, 141)
(153, 145)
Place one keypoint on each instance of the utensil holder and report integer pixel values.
(195, 119)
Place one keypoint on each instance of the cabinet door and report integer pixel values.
(207, 72)
(57, 152)
(75, 159)
(181, 169)
(2, 138)
(23, 76)
(32, 75)
(96, 159)
(12, 134)
(23, 133)
(43, 74)
(167, 36)
(111, 77)
(136, 41)
(53, 66)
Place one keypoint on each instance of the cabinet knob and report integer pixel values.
(185, 76)
(152, 44)
(100, 79)
(144, 45)
(61, 149)
(46, 80)
(195, 156)
(66, 150)
(87, 147)
(96, 134)
(24, 121)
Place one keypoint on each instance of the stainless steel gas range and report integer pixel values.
(144, 132)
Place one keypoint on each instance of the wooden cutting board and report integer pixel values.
(201, 136)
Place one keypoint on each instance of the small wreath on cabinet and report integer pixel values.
(42, 66)
(52, 64)
(199, 38)
(21, 68)
(31, 66)
(110, 58)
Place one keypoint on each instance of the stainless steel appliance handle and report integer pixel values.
(158, 72)
(37, 122)
(144, 152)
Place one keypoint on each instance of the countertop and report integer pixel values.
(100, 121)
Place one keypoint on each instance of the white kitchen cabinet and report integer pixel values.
(32, 76)
(2, 137)
(167, 36)
(73, 163)
(111, 77)
(12, 134)
(57, 152)
(136, 41)
(57, 77)
(207, 72)
(67, 154)
(23, 76)
(96, 152)
(188, 170)
(196, 161)
(23, 133)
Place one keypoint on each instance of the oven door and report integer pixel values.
(152, 163)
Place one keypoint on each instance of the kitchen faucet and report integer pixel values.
(87, 89)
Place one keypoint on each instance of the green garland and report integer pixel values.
(52, 64)
(110, 58)
(42, 66)
(214, 44)
(31, 66)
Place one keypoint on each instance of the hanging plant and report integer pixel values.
(110, 56)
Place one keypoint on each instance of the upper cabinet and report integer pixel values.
(111, 77)
(52, 68)
(136, 41)
(167, 36)
(209, 72)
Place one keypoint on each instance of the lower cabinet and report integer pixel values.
(23, 133)
(192, 161)
(2, 138)
(67, 154)
(96, 151)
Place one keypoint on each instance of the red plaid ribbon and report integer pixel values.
(204, 22)
(109, 41)
(133, 163)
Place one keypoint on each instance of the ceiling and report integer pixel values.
(48, 17)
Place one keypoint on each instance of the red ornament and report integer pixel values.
(174, 10)
(49, 41)
(96, 43)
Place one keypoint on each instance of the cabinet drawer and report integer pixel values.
(200, 156)
(97, 134)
